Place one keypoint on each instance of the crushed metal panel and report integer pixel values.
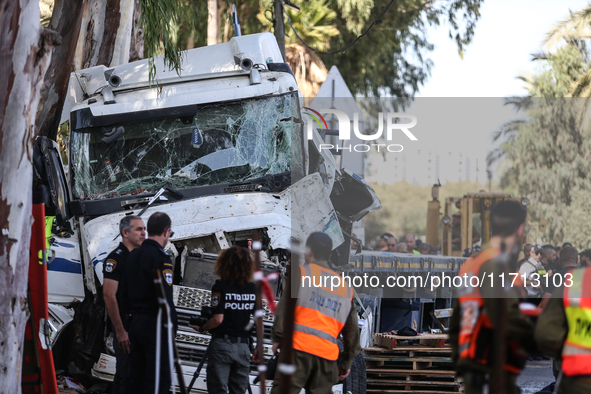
(313, 211)
(199, 217)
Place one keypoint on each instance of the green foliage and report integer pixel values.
(549, 156)
(578, 232)
(559, 70)
(576, 32)
(159, 21)
(314, 22)
(573, 29)
(188, 36)
(404, 207)
(547, 151)
(391, 59)
(355, 13)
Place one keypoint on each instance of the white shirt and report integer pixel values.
(528, 268)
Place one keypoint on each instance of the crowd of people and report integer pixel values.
(388, 242)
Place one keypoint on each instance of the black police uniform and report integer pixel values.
(143, 303)
(229, 354)
(113, 269)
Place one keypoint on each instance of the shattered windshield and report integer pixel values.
(221, 143)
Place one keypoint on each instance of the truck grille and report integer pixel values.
(191, 344)
(192, 298)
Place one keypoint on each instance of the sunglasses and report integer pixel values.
(393, 245)
(171, 233)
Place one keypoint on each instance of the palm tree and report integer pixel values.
(309, 71)
(575, 31)
(314, 24)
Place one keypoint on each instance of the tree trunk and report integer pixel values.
(120, 26)
(136, 50)
(105, 40)
(25, 51)
(89, 39)
(212, 22)
(66, 20)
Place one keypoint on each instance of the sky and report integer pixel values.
(506, 35)
(456, 106)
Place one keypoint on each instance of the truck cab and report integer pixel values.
(219, 146)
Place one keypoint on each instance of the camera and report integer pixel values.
(206, 314)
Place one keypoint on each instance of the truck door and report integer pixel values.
(64, 272)
(352, 198)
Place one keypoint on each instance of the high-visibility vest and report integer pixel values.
(576, 352)
(476, 330)
(321, 312)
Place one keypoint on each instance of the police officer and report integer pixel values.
(477, 313)
(232, 303)
(143, 304)
(563, 329)
(133, 233)
(321, 315)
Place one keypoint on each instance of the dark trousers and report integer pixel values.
(314, 374)
(142, 334)
(228, 366)
(475, 382)
(122, 374)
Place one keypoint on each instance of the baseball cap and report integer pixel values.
(586, 252)
(536, 249)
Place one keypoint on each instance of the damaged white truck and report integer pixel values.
(222, 146)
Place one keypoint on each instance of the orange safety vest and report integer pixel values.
(476, 330)
(576, 352)
(321, 312)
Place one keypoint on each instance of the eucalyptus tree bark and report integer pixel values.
(136, 50)
(105, 36)
(25, 51)
(93, 32)
(65, 20)
(213, 28)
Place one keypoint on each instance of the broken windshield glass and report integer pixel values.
(221, 143)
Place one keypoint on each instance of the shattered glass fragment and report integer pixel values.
(222, 143)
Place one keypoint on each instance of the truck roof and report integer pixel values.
(200, 63)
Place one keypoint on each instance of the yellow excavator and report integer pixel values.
(465, 221)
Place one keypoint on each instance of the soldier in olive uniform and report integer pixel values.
(563, 330)
(477, 312)
(316, 354)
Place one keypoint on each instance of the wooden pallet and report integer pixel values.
(392, 341)
(411, 369)
(409, 350)
(413, 383)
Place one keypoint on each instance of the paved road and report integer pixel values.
(535, 376)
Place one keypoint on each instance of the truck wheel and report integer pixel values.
(356, 382)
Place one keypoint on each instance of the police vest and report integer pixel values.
(476, 330)
(576, 353)
(321, 312)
